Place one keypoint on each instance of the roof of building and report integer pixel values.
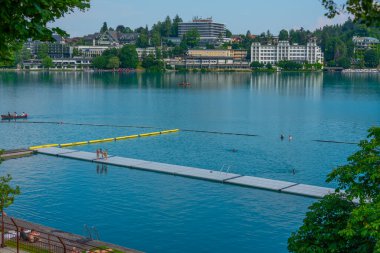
(365, 39)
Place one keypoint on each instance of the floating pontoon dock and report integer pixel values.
(203, 174)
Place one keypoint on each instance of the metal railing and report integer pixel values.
(21, 238)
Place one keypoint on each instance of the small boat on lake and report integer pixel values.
(11, 116)
(184, 84)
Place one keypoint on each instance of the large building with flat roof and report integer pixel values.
(208, 30)
(284, 51)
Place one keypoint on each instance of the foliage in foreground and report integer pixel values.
(26, 19)
(364, 11)
(338, 224)
(7, 192)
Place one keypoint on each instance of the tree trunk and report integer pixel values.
(2, 229)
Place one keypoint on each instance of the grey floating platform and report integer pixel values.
(121, 161)
(55, 151)
(80, 155)
(263, 183)
(203, 174)
(310, 190)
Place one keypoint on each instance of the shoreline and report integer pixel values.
(166, 71)
(187, 70)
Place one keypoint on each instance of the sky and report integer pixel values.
(239, 16)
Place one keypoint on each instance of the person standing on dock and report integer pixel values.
(101, 153)
(105, 154)
(97, 154)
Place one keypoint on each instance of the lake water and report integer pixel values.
(161, 213)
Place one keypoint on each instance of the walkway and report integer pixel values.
(203, 174)
(16, 153)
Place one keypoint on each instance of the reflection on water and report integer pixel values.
(101, 169)
(309, 84)
(155, 212)
(303, 84)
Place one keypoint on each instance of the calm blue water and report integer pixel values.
(160, 213)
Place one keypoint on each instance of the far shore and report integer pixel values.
(139, 70)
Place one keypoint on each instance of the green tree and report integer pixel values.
(364, 11)
(371, 58)
(26, 19)
(99, 62)
(360, 178)
(47, 62)
(104, 27)
(336, 223)
(344, 62)
(7, 197)
(110, 52)
(148, 61)
(289, 65)
(120, 28)
(156, 39)
(128, 56)
(167, 27)
(283, 35)
(175, 23)
(159, 54)
(142, 40)
(42, 50)
(113, 62)
(191, 38)
(152, 64)
(257, 65)
(76, 52)
(228, 34)
(23, 55)
(321, 229)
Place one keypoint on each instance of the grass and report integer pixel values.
(28, 248)
(105, 247)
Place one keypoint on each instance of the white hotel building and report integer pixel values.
(283, 51)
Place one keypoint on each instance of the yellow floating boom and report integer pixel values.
(103, 140)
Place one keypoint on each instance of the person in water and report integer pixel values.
(282, 137)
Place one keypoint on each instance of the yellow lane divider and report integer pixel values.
(127, 137)
(44, 146)
(64, 145)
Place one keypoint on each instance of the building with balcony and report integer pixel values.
(209, 31)
(91, 51)
(236, 54)
(54, 50)
(284, 51)
(145, 51)
(363, 43)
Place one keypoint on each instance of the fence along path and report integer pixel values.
(190, 172)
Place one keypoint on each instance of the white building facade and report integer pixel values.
(147, 51)
(91, 51)
(283, 51)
